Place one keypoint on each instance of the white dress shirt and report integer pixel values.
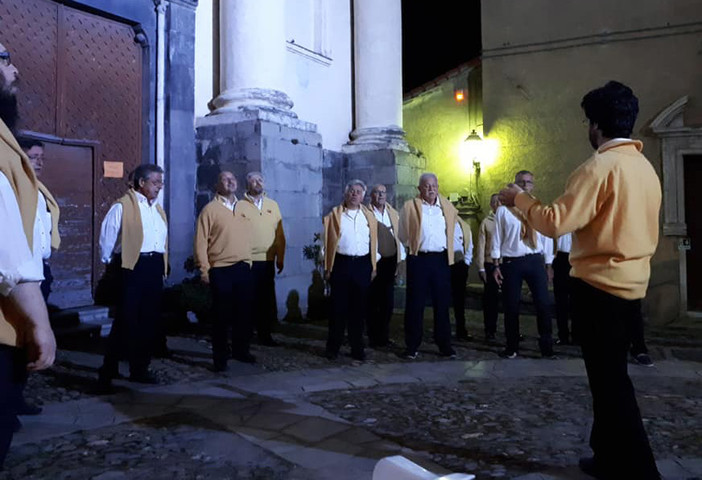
(458, 244)
(42, 229)
(384, 218)
(507, 241)
(565, 242)
(225, 201)
(354, 238)
(433, 235)
(18, 264)
(153, 226)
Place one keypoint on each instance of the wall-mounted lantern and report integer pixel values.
(459, 94)
(473, 147)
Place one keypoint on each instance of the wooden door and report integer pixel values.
(68, 174)
(693, 219)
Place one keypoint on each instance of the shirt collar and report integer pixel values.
(437, 203)
(142, 199)
(617, 142)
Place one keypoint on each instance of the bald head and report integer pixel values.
(226, 184)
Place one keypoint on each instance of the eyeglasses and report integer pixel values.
(5, 58)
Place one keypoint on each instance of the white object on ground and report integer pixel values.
(399, 468)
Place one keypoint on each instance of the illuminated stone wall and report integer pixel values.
(537, 67)
(436, 124)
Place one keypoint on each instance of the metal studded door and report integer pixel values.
(81, 81)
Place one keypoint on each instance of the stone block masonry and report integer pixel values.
(290, 159)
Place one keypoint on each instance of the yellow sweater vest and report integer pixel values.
(55, 213)
(222, 237)
(15, 165)
(611, 204)
(332, 233)
(268, 238)
(133, 232)
(411, 224)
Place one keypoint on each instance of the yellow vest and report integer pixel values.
(133, 232)
(55, 213)
(15, 165)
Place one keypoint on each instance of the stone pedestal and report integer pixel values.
(290, 159)
(398, 170)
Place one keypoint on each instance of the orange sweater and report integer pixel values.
(611, 205)
(267, 235)
(222, 237)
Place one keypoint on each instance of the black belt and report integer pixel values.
(506, 259)
(149, 254)
(353, 257)
(442, 252)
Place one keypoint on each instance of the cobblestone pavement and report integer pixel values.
(296, 415)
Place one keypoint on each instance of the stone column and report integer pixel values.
(252, 57)
(378, 69)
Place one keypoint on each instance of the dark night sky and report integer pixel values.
(436, 37)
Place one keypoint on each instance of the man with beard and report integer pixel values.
(611, 204)
(26, 340)
(268, 254)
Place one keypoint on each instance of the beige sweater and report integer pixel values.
(485, 233)
(222, 237)
(611, 204)
(267, 229)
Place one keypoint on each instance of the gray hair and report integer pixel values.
(375, 187)
(250, 175)
(426, 176)
(353, 183)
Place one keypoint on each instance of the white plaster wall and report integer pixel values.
(322, 93)
(205, 38)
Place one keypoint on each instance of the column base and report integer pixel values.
(377, 138)
(233, 101)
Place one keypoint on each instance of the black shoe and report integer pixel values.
(588, 465)
(163, 353)
(268, 342)
(147, 378)
(104, 385)
(521, 337)
(509, 354)
(329, 355)
(409, 355)
(559, 341)
(463, 336)
(489, 337)
(29, 409)
(245, 357)
(16, 425)
(449, 353)
(218, 367)
(360, 356)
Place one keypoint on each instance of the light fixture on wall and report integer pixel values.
(473, 147)
(459, 94)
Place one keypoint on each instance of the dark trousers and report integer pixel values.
(459, 276)
(491, 297)
(232, 294)
(529, 268)
(46, 283)
(12, 377)
(561, 293)
(350, 281)
(138, 311)
(428, 275)
(263, 308)
(618, 438)
(381, 301)
(638, 344)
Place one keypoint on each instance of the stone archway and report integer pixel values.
(680, 144)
